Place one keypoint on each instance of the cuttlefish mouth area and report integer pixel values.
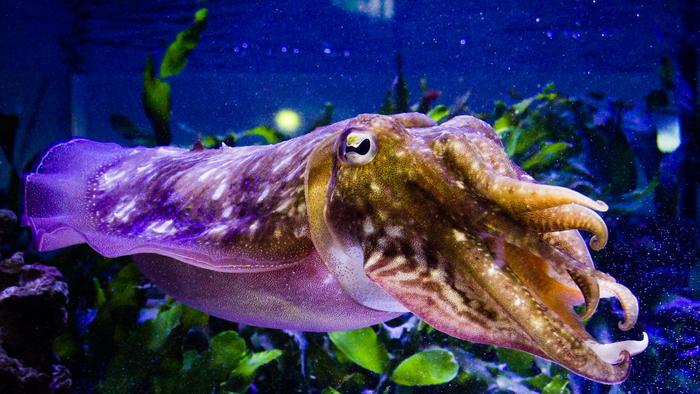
(498, 250)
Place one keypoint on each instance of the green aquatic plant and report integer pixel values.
(429, 367)
(156, 94)
(363, 348)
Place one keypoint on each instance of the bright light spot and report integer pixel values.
(287, 121)
(668, 133)
(462, 41)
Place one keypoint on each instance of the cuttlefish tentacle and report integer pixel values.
(471, 264)
(628, 302)
(583, 275)
(514, 195)
(567, 217)
(540, 207)
(571, 243)
(590, 289)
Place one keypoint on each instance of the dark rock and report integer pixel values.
(8, 225)
(33, 301)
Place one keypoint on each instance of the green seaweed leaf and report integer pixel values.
(242, 376)
(156, 103)
(503, 124)
(175, 58)
(556, 386)
(632, 201)
(162, 325)
(192, 317)
(194, 373)
(547, 156)
(518, 362)
(100, 297)
(227, 349)
(247, 367)
(523, 105)
(439, 112)
(363, 347)
(270, 135)
(156, 92)
(429, 367)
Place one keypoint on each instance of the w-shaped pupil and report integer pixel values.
(361, 149)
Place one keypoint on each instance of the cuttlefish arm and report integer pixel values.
(451, 229)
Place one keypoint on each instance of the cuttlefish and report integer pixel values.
(350, 225)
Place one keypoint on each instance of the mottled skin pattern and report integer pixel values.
(243, 203)
(351, 225)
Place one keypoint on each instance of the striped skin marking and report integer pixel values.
(426, 276)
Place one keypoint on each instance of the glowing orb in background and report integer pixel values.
(287, 121)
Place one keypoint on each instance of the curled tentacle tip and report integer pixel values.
(601, 206)
(619, 352)
(587, 313)
(628, 302)
(598, 243)
(627, 323)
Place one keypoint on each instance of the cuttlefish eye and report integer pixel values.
(359, 147)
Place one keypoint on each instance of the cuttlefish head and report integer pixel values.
(438, 221)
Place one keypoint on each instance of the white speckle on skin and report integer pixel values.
(253, 227)
(374, 187)
(281, 164)
(367, 226)
(394, 231)
(217, 230)
(284, 205)
(108, 178)
(264, 194)
(162, 227)
(219, 191)
(373, 258)
(123, 210)
(227, 212)
(328, 279)
(492, 270)
(517, 301)
(206, 175)
(459, 236)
